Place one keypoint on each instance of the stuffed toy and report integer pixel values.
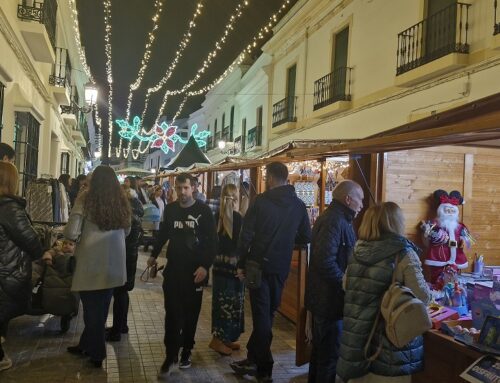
(446, 236)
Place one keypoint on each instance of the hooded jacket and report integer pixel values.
(19, 246)
(368, 276)
(273, 224)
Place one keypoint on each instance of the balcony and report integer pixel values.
(38, 28)
(210, 143)
(239, 145)
(284, 113)
(69, 114)
(227, 134)
(332, 93)
(434, 46)
(60, 79)
(78, 137)
(254, 139)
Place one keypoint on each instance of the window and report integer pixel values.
(64, 163)
(26, 137)
(215, 126)
(339, 63)
(223, 120)
(2, 93)
(290, 91)
(259, 116)
(231, 124)
(243, 134)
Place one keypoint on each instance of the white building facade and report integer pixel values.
(349, 69)
(42, 89)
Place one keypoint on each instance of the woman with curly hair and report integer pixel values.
(99, 222)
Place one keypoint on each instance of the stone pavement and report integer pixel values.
(39, 354)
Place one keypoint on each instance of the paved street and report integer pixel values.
(39, 352)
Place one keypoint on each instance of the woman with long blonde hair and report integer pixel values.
(228, 290)
(19, 246)
(100, 221)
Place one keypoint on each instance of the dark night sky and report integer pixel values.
(131, 22)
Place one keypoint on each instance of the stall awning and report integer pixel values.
(188, 156)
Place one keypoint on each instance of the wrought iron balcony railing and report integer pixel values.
(61, 71)
(440, 34)
(285, 111)
(496, 26)
(44, 12)
(333, 87)
(254, 138)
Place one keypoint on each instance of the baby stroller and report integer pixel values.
(150, 225)
(51, 284)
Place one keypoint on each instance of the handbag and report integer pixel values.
(253, 274)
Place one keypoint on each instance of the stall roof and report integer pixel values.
(188, 156)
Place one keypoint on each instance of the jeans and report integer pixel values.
(264, 301)
(95, 312)
(182, 308)
(325, 351)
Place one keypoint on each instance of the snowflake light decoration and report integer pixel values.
(163, 136)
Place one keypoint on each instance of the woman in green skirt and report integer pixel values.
(228, 290)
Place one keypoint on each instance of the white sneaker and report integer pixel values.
(5, 363)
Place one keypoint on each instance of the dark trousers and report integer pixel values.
(3, 332)
(120, 309)
(182, 309)
(264, 301)
(325, 351)
(95, 312)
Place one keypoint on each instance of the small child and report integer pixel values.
(57, 297)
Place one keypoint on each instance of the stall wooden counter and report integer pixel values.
(445, 359)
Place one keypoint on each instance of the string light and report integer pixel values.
(267, 28)
(109, 72)
(180, 109)
(76, 29)
(178, 54)
(238, 12)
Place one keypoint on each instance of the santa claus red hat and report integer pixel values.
(454, 198)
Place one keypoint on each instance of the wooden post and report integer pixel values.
(322, 189)
(210, 183)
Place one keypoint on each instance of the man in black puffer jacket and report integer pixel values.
(19, 246)
(332, 244)
(276, 220)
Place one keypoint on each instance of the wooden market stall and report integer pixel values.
(457, 149)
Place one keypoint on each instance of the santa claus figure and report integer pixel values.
(446, 236)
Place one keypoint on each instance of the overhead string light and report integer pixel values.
(178, 54)
(144, 64)
(238, 12)
(261, 34)
(109, 71)
(76, 29)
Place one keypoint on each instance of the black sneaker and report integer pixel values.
(185, 359)
(112, 336)
(244, 367)
(166, 369)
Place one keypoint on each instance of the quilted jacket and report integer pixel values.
(19, 246)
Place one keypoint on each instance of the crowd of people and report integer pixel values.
(247, 244)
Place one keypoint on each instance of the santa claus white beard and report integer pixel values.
(449, 222)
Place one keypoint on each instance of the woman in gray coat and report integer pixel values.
(99, 223)
(368, 275)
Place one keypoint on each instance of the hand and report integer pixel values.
(308, 329)
(47, 257)
(200, 274)
(152, 261)
(240, 273)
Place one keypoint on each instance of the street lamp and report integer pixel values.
(222, 144)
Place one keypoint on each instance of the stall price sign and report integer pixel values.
(484, 370)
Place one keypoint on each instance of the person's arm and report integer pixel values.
(247, 234)
(74, 227)
(162, 237)
(303, 236)
(326, 250)
(20, 231)
(413, 277)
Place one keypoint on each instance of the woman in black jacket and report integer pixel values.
(120, 294)
(19, 246)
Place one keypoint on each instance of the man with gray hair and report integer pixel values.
(332, 244)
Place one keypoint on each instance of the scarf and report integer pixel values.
(226, 216)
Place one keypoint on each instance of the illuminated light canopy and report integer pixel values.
(163, 136)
